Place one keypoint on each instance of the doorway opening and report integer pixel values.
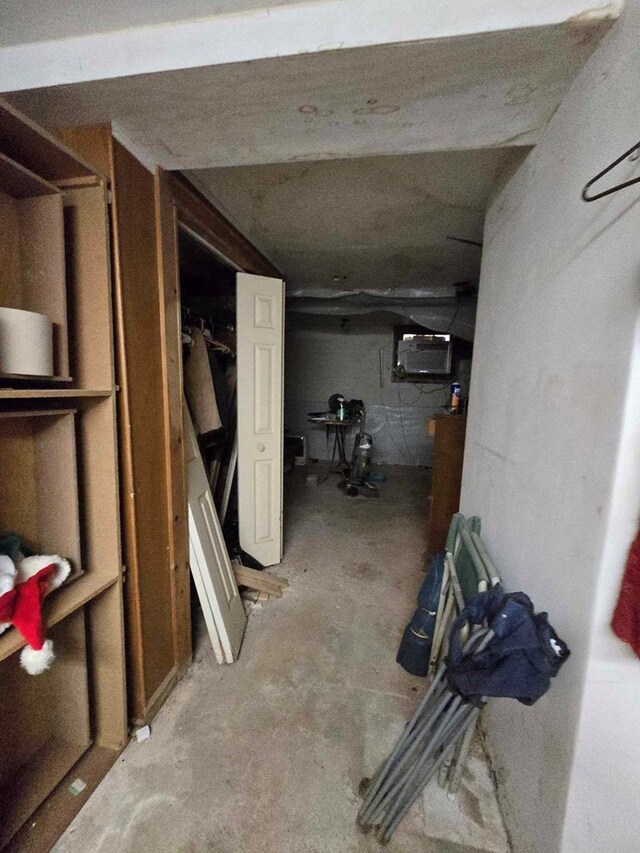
(209, 348)
(353, 561)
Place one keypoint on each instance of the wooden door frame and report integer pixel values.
(180, 203)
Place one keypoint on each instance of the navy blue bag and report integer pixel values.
(415, 647)
(518, 662)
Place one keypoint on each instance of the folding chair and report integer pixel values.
(468, 571)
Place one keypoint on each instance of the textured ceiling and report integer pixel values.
(347, 167)
(374, 222)
(485, 90)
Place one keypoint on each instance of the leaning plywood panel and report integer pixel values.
(210, 564)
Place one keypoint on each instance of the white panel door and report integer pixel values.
(210, 565)
(260, 328)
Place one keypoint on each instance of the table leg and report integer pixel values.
(330, 468)
(342, 452)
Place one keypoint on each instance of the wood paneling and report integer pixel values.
(37, 150)
(94, 141)
(142, 383)
(42, 265)
(52, 818)
(198, 214)
(88, 273)
(35, 750)
(173, 382)
(20, 182)
(151, 477)
(32, 258)
(448, 453)
(145, 216)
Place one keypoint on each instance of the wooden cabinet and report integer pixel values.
(448, 432)
(158, 641)
(59, 488)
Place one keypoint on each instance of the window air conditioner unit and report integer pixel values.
(423, 355)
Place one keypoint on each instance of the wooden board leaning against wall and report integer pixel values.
(147, 211)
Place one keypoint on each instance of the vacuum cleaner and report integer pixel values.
(356, 481)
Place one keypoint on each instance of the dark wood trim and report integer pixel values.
(196, 212)
(169, 283)
(178, 202)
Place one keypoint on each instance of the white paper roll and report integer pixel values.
(26, 343)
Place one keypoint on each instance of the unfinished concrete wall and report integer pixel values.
(553, 452)
(323, 359)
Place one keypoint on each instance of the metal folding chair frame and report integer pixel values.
(463, 545)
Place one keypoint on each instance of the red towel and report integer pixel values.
(626, 617)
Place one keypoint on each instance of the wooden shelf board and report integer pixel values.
(19, 182)
(35, 781)
(52, 393)
(46, 825)
(62, 603)
(38, 149)
(24, 378)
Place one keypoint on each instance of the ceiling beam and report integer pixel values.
(276, 31)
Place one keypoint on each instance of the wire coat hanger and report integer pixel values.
(610, 167)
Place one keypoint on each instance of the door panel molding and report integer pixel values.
(260, 325)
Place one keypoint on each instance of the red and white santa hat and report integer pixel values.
(23, 588)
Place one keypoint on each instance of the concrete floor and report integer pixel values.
(266, 755)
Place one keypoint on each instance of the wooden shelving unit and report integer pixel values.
(59, 483)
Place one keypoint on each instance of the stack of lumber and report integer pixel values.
(260, 586)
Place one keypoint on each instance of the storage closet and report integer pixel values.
(59, 480)
(208, 314)
(150, 216)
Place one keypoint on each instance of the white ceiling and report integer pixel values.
(380, 151)
(478, 91)
(382, 222)
(56, 42)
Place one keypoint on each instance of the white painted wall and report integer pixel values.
(602, 813)
(553, 446)
(322, 360)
